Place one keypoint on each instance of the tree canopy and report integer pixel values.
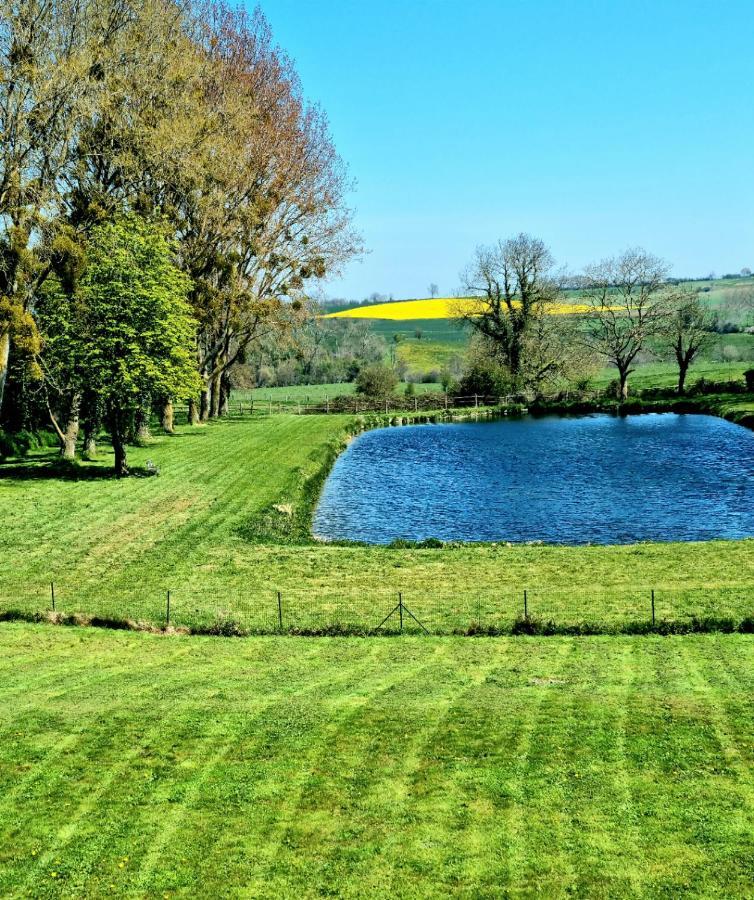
(186, 114)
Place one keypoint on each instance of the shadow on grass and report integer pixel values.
(50, 466)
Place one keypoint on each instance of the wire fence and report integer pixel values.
(386, 611)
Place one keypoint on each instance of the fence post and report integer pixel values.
(416, 403)
(167, 611)
(327, 403)
(52, 594)
(400, 608)
(526, 605)
(476, 401)
(386, 402)
(446, 400)
(280, 611)
(653, 606)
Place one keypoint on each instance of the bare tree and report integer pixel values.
(690, 328)
(268, 214)
(511, 279)
(433, 290)
(629, 303)
(553, 354)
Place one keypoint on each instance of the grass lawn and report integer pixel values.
(207, 530)
(141, 765)
(311, 393)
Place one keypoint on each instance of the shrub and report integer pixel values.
(376, 381)
(486, 377)
(21, 443)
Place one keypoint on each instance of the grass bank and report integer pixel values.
(134, 765)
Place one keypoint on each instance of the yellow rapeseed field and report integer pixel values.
(437, 308)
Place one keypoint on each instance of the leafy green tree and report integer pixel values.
(127, 333)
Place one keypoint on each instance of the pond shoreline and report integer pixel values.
(297, 527)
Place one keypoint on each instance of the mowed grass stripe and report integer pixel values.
(204, 803)
(377, 741)
(182, 698)
(409, 767)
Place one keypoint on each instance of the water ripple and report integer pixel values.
(595, 479)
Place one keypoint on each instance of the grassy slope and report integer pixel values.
(309, 393)
(148, 766)
(200, 529)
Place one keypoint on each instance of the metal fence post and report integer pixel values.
(167, 611)
(653, 606)
(52, 594)
(400, 608)
(280, 611)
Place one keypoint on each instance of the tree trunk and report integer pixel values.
(168, 425)
(204, 405)
(683, 368)
(141, 431)
(623, 387)
(71, 433)
(92, 423)
(4, 360)
(224, 394)
(118, 436)
(214, 403)
(193, 412)
(90, 443)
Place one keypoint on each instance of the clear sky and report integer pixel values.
(594, 124)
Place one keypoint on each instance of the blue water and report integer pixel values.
(595, 479)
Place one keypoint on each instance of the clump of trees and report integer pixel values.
(176, 139)
(626, 306)
(311, 351)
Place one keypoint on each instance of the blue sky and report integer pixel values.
(594, 125)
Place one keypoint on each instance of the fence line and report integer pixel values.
(355, 404)
(275, 611)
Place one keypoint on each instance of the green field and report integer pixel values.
(140, 765)
(443, 342)
(226, 525)
(309, 393)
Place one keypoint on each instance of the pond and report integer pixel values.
(594, 479)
